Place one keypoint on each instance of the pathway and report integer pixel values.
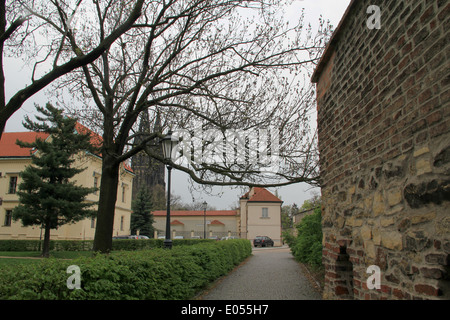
(270, 274)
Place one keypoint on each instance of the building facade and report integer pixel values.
(13, 161)
(259, 214)
(195, 224)
(383, 100)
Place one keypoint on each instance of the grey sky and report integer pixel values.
(17, 76)
(225, 197)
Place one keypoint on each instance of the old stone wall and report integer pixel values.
(384, 139)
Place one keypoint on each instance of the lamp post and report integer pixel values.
(204, 204)
(168, 144)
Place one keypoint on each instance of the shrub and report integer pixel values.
(87, 245)
(155, 274)
(307, 246)
(20, 245)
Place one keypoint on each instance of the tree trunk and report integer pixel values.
(46, 246)
(106, 205)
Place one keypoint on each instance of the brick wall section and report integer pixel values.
(384, 139)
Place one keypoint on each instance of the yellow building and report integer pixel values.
(193, 224)
(259, 215)
(13, 161)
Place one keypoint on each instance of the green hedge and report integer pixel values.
(86, 245)
(307, 246)
(155, 274)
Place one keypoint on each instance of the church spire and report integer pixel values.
(148, 171)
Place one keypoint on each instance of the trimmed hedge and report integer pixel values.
(307, 246)
(87, 245)
(156, 274)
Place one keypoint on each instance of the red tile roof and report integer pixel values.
(260, 195)
(186, 213)
(177, 222)
(217, 222)
(96, 139)
(9, 148)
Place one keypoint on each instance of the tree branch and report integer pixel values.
(21, 96)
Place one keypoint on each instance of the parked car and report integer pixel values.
(121, 237)
(130, 237)
(262, 241)
(138, 237)
(229, 238)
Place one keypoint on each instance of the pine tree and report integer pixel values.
(47, 196)
(141, 218)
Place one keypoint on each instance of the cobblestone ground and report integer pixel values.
(270, 274)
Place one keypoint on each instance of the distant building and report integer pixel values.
(149, 172)
(191, 224)
(14, 159)
(259, 215)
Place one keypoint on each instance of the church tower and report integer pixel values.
(149, 172)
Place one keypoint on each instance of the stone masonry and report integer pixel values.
(384, 138)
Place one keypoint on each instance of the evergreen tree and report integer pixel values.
(47, 196)
(141, 218)
(158, 197)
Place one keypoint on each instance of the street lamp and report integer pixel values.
(169, 142)
(204, 205)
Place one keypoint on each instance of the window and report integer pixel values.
(121, 223)
(8, 215)
(95, 184)
(265, 213)
(92, 222)
(12, 185)
(123, 193)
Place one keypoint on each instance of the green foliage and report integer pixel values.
(307, 246)
(155, 274)
(87, 245)
(141, 217)
(47, 196)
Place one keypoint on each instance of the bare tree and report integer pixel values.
(218, 67)
(38, 31)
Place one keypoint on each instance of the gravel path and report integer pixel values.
(270, 274)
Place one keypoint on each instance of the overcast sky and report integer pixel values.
(225, 197)
(17, 76)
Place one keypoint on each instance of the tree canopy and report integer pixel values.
(47, 196)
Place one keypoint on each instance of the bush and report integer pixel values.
(155, 274)
(20, 245)
(87, 245)
(307, 246)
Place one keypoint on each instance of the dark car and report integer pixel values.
(262, 241)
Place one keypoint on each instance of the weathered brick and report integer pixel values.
(427, 290)
(394, 197)
(383, 124)
(398, 293)
(340, 290)
(433, 273)
(392, 240)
